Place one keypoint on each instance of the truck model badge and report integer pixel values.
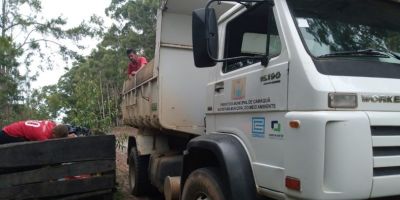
(380, 99)
(271, 78)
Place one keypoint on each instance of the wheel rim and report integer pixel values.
(202, 196)
(132, 175)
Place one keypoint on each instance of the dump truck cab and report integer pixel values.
(287, 99)
(310, 88)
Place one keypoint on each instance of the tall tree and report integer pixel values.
(135, 27)
(26, 37)
(9, 78)
(91, 89)
(89, 93)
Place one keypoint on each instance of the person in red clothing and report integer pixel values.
(136, 63)
(32, 130)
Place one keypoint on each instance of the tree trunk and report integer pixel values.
(108, 103)
(3, 18)
(116, 111)
(102, 98)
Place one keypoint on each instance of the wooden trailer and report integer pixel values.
(69, 168)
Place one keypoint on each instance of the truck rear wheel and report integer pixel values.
(204, 184)
(138, 173)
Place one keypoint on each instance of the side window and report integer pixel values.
(247, 34)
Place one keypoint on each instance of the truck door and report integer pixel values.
(250, 99)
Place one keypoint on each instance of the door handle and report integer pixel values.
(219, 86)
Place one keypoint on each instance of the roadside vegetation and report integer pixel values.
(88, 94)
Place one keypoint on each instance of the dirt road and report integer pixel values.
(122, 177)
(121, 134)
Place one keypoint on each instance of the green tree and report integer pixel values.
(89, 93)
(91, 89)
(26, 37)
(135, 27)
(47, 102)
(9, 78)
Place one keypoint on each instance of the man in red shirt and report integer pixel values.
(136, 63)
(32, 130)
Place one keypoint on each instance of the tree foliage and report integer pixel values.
(26, 36)
(91, 89)
(135, 27)
(89, 93)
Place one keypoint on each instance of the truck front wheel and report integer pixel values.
(204, 184)
(138, 176)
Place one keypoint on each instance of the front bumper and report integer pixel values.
(343, 155)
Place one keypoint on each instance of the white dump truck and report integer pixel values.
(282, 99)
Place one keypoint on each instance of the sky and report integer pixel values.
(75, 11)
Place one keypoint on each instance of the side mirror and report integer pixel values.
(204, 37)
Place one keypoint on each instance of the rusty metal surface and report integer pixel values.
(139, 99)
(145, 73)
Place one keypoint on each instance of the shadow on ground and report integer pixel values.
(122, 193)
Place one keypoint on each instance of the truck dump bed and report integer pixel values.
(170, 92)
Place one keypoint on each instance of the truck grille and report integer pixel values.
(386, 150)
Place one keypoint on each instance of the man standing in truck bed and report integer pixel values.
(136, 63)
(32, 130)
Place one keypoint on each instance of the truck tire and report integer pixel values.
(139, 182)
(204, 183)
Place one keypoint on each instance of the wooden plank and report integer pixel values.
(85, 195)
(57, 151)
(58, 188)
(56, 172)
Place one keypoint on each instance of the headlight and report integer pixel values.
(342, 100)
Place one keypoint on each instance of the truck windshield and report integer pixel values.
(361, 29)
